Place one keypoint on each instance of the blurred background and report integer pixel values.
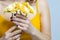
(55, 18)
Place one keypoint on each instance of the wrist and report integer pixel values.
(35, 32)
(35, 35)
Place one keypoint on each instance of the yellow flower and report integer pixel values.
(28, 6)
(24, 7)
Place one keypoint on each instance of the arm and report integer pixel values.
(45, 21)
(45, 17)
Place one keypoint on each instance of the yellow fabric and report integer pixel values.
(5, 25)
(36, 20)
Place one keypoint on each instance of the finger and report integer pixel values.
(11, 29)
(21, 24)
(15, 37)
(22, 28)
(21, 16)
(20, 20)
(18, 38)
(15, 33)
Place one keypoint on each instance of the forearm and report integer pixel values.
(40, 36)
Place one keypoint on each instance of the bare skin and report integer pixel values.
(45, 22)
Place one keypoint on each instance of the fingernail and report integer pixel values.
(21, 31)
(11, 17)
(14, 14)
(11, 20)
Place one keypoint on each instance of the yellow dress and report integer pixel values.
(5, 25)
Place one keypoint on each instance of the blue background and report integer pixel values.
(55, 18)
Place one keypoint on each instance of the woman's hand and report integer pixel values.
(11, 34)
(23, 23)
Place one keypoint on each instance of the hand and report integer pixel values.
(24, 23)
(11, 34)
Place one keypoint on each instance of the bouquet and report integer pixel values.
(23, 8)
